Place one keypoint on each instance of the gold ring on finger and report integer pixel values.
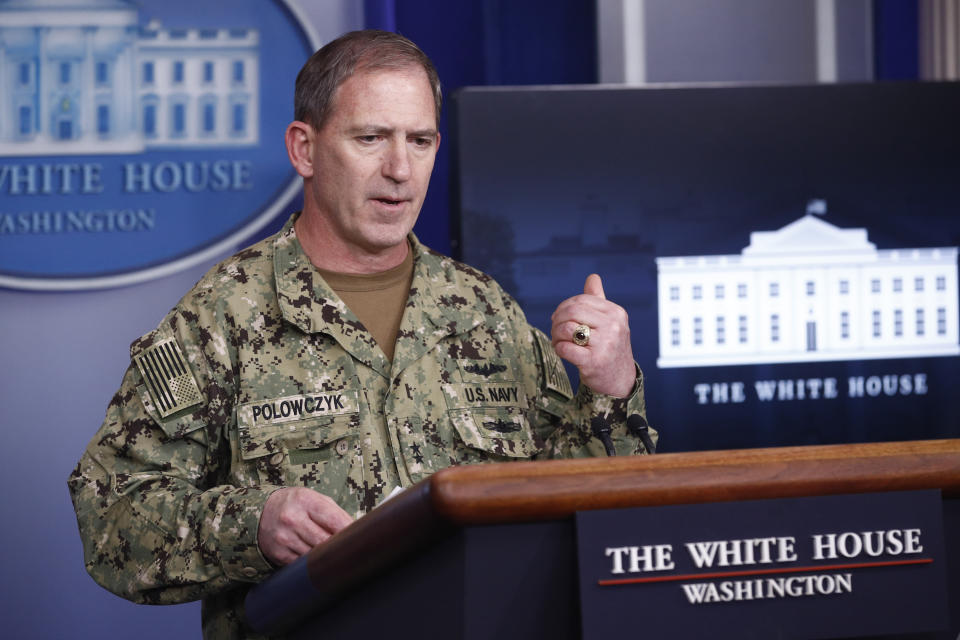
(581, 335)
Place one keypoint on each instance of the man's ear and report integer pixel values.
(300, 138)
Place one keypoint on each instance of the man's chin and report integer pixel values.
(387, 240)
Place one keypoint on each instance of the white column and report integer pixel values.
(132, 61)
(88, 85)
(634, 42)
(940, 39)
(826, 16)
(621, 45)
(951, 46)
(41, 82)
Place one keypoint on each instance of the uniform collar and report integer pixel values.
(437, 306)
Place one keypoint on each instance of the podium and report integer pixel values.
(489, 551)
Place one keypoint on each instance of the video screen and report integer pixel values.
(787, 254)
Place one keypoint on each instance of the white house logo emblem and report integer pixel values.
(111, 87)
(130, 144)
(809, 291)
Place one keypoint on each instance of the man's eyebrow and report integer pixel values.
(423, 133)
(363, 130)
(369, 129)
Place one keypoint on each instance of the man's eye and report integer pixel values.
(368, 139)
(422, 142)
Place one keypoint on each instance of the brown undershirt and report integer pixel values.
(377, 299)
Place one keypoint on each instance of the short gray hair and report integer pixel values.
(355, 52)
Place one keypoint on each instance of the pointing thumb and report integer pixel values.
(594, 286)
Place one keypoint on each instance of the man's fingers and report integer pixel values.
(594, 286)
(290, 538)
(606, 360)
(328, 514)
(296, 519)
(563, 332)
(583, 309)
(306, 537)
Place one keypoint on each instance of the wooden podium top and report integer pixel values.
(553, 490)
(484, 494)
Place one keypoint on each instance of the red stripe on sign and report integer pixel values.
(760, 572)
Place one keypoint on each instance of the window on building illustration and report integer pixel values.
(844, 287)
(897, 285)
(697, 292)
(698, 331)
(811, 336)
(721, 331)
(920, 327)
(209, 116)
(103, 119)
(742, 290)
(102, 73)
(674, 293)
(26, 121)
(238, 71)
(675, 332)
(178, 71)
(742, 329)
(875, 285)
(147, 73)
(845, 325)
(25, 73)
(65, 69)
(941, 283)
(239, 118)
(150, 120)
(774, 289)
(208, 71)
(918, 284)
(898, 322)
(811, 287)
(876, 324)
(775, 328)
(178, 119)
(718, 292)
(941, 321)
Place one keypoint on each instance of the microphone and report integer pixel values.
(601, 429)
(637, 425)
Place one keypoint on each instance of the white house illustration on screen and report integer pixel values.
(809, 291)
(82, 77)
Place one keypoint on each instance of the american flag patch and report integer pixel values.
(168, 377)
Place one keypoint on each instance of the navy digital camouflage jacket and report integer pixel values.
(261, 378)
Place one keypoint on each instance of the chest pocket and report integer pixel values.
(321, 452)
(491, 418)
(502, 431)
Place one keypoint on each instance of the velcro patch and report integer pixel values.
(262, 413)
(484, 370)
(168, 377)
(484, 394)
(555, 376)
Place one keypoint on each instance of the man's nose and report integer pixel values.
(396, 164)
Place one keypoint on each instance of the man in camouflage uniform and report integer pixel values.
(261, 416)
